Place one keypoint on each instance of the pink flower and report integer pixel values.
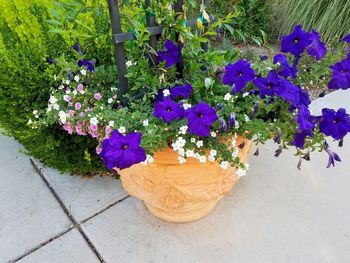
(79, 128)
(71, 113)
(93, 131)
(108, 131)
(98, 96)
(98, 150)
(80, 87)
(68, 128)
(77, 106)
(93, 127)
(70, 104)
(81, 114)
(67, 98)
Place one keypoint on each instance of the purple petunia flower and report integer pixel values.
(292, 93)
(346, 39)
(299, 138)
(332, 157)
(181, 91)
(238, 75)
(296, 42)
(171, 55)
(267, 86)
(341, 75)
(304, 119)
(88, 63)
(200, 118)
(168, 110)
(285, 69)
(122, 151)
(288, 91)
(335, 123)
(76, 47)
(317, 48)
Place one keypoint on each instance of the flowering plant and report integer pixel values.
(218, 96)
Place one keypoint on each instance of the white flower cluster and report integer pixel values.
(36, 114)
(183, 129)
(227, 96)
(208, 82)
(186, 106)
(149, 159)
(166, 93)
(242, 171)
(122, 130)
(52, 104)
(212, 155)
(63, 117)
(94, 121)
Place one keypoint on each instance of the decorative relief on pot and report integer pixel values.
(170, 189)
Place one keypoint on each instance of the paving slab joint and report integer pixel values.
(30, 251)
(66, 210)
(103, 210)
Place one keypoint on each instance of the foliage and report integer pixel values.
(330, 18)
(252, 21)
(26, 78)
(218, 96)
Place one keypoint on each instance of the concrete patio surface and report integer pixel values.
(275, 214)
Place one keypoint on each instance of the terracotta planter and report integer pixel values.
(181, 192)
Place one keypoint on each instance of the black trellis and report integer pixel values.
(119, 37)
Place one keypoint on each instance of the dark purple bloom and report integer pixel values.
(296, 42)
(232, 120)
(335, 123)
(200, 118)
(267, 86)
(223, 125)
(263, 57)
(332, 157)
(122, 151)
(341, 75)
(181, 91)
(317, 48)
(76, 47)
(285, 69)
(50, 61)
(238, 75)
(171, 55)
(299, 138)
(346, 39)
(167, 110)
(277, 138)
(88, 63)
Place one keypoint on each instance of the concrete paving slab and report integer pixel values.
(85, 197)
(335, 100)
(29, 214)
(275, 214)
(69, 248)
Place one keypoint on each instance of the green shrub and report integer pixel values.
(330, 18)
(26, 78)
(252, 22)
